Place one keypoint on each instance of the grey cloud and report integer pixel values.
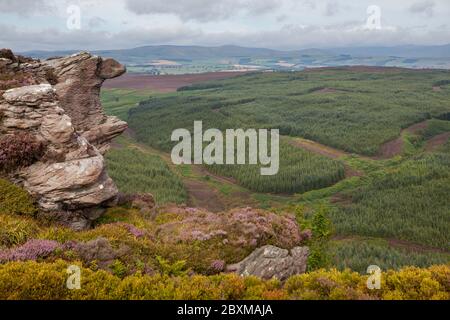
(96, 22)
(423, 7)
(281, 18)
(332, 8)
(85, 39)
(288, 37)
(25, 7)
(202, 10)
(309, 4)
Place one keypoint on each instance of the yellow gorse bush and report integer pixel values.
(32, 280)
(14, 200)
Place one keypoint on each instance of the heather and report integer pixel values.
(19, 150)
(31, 250)
(198, 240)
(180, 253)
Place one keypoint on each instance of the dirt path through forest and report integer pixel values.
(437, 141)
(201, 195)
(394, 147)
(326, 151)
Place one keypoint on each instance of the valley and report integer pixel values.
(400, 152)
(225, 158)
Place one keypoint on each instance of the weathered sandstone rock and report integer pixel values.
(80, 78)
(70, 182)
(272, 262)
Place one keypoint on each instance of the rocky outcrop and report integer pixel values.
(272, 262)
(79, 80)
(62, 110)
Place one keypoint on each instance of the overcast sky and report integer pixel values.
(279, 24)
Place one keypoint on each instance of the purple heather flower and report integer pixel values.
(138, 233)
(218, 265)
(31, 250)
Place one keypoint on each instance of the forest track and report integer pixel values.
(317, 148)
(325, 151)
(201, 195)
(395, 147)
(437, 141)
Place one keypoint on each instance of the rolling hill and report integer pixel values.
(172, 59)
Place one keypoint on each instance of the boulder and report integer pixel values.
(272, 262)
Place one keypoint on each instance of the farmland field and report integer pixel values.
(165, 83)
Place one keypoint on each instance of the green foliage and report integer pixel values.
(409, 202)
(47, 281)
(321, 225)
(435, 127)
(172, 269)
(319, 245)
(300, 171)
(318, 256)
(357, 254)
(360, 112)
(15, 230)
(118, 268)
(14, 200)
(137, 172)
(117, 102)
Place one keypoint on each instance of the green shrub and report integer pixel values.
(14, 200)
(172, 269)
(118, 268)
(39, 281)
(16, 230)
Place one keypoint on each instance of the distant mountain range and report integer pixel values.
(198, 52)
(171, 52)
(398, 51)
(222, 58)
